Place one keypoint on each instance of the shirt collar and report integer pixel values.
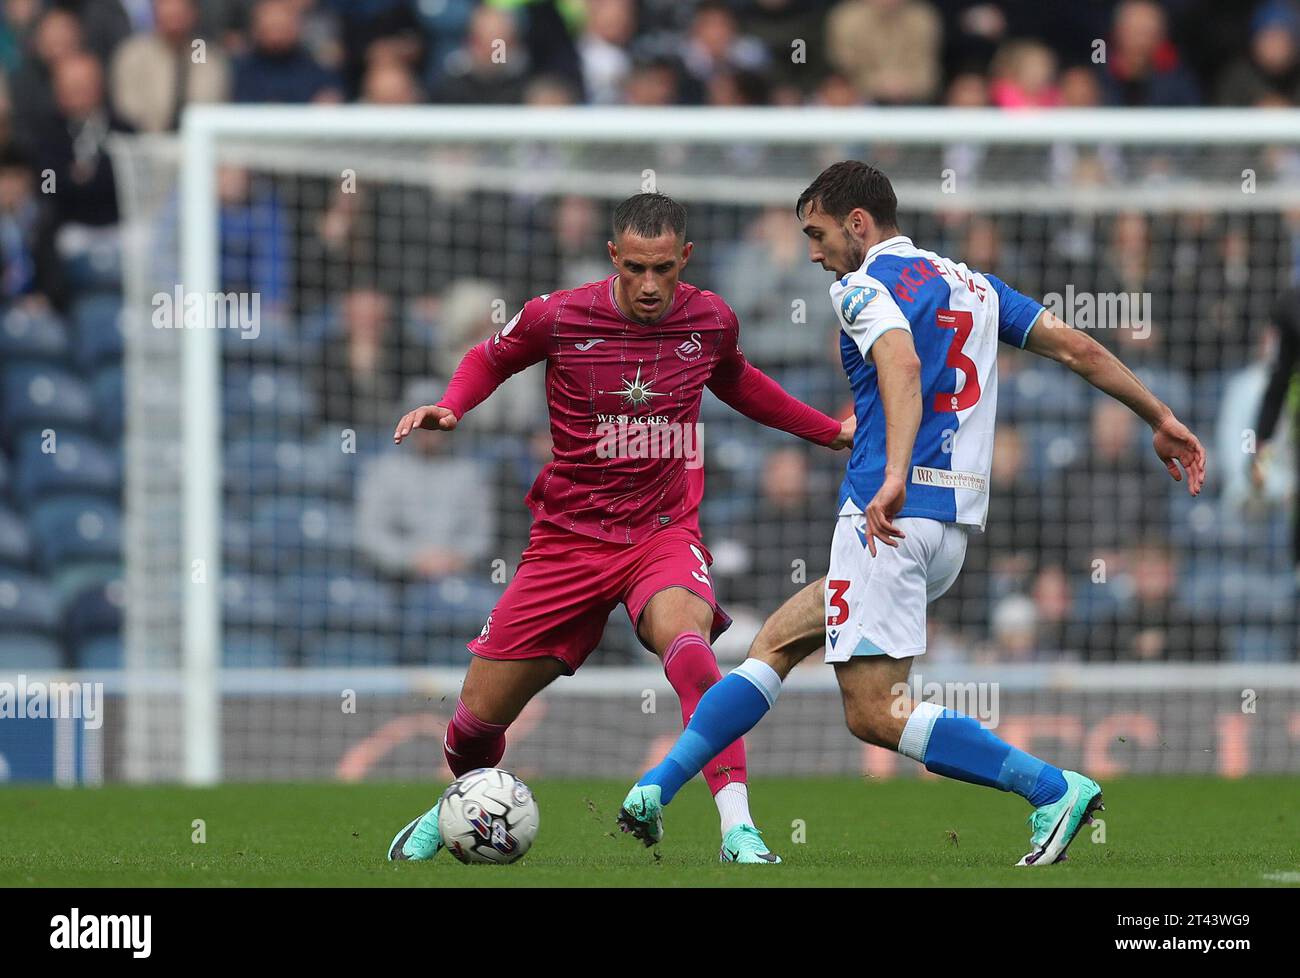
(889, 244)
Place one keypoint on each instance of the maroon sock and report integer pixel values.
(691, 668)
(472, 743)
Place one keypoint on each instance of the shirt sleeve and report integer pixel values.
(1017, 313)
(521, 343)
(742, 386)
(866, 310)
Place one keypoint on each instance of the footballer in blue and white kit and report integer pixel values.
(919, 337)
(956, 317)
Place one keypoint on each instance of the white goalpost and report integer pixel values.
(272, 633)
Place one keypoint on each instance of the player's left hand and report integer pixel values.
(1174, 441)
(882, 509)
(845, 438)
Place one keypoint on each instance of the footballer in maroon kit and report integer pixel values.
(616, 509)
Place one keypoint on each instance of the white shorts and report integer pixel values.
(876, 605)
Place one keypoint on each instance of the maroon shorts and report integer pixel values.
(567, 584)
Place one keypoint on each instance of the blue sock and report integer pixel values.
(730, 709)
(958, 747)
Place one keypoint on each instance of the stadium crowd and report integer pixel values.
(1090, 553)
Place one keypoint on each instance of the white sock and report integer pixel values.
(916, 732)
(732, 800)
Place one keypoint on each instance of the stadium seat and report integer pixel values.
(261, 466)
(27, 603)
(309, 532)
(1041, 393)
(331, 649)
(16, 548)
(94, 612)
(264, 400)
(335, 601)
(28, 652)
(69, 528)
(253, 649)
(248, 600)
(97, 322)
(32, 336)
(79, 464)
(109, 392)
(1233, 591)
(39, 397)
(101, 652)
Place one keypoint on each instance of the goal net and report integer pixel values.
(300, 593)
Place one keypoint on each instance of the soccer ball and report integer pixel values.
(488, 816)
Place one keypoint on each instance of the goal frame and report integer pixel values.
(204, 126)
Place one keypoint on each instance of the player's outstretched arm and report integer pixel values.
(760, 398)
(1053, 338)
(898, 373)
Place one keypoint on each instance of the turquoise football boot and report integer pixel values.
(744, 844)
(642, 813)
(1055, 825)
(419, 840)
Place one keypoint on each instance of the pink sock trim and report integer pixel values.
(472, 727)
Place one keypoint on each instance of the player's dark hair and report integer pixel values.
(650, 215)
(843, 186)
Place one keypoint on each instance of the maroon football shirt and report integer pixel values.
(624, 402)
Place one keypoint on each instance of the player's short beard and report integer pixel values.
(856, 250)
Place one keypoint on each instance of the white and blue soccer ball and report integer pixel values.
(488, 816)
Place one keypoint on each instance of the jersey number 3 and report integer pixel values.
(963, 323)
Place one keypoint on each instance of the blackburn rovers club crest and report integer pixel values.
(691, 350)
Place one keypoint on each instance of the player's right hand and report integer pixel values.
(430, 417)
(882, 509)
(1174, 442)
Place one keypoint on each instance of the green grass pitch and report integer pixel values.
(858, 832)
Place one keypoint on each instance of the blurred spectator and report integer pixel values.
(775, 290)
(363, 363)
(1271, 67)
(74, 144)
(55, 36)
(443, 23)
(376, 32)
(390, 83)
(17, 18)
(1024, 76)
(788, 525)
(1093, 507)
(654, 82)
(29, 266)
(278, 68)
(888, 49)
(1283, 384)
(603, 48)
(154, 76)
(1142, 65)
(104, 23)
(256, 239)
(490, 67)
(715, 45)
(450, 526)
(1154, 625)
